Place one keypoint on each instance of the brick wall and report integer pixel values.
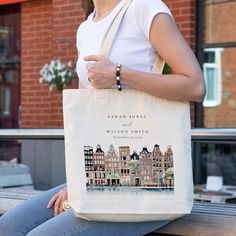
(48, 31)
(36, 50)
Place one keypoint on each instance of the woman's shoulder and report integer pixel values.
(84, 25)
(81, 27)
(145, 10)
(79, 34)
(149, 4)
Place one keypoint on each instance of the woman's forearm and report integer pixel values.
(173, 86)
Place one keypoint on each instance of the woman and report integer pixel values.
(147, 28)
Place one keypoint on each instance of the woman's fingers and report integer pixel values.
(61, 209)
(57, 200)
(52, 201)
(57, 206)
(63, 199)
(101, 73)
(93, 58)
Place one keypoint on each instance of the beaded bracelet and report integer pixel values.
(118, 69)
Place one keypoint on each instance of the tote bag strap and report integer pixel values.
(111, 34)
(112, 30)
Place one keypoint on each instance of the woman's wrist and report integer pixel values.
(127, 76)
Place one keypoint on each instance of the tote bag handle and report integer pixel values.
(111, 34)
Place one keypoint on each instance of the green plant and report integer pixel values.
(166, 69)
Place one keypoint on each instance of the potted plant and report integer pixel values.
(57, 74)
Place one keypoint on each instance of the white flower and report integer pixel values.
(63, 73)
(59, 65)
(50, 67)
(56, 72)
(49, 78)
(69, 64)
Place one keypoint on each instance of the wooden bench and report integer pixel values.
(206, 219)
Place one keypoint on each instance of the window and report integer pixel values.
(10, 66)
(217, 54)
(10, 46)
(5, 101)
(213, 76)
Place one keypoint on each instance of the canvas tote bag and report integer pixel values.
(128, 154)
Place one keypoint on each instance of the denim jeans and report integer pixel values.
(32, 218)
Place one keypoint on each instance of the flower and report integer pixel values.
(57, 74)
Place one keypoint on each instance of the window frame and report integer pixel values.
(217, 66)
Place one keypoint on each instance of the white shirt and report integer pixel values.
(131, 46)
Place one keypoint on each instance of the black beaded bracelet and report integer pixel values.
(118, 69)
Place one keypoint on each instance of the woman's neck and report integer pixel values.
(104, 7)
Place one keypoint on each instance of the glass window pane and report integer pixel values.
(9, 150)
(215, 173)
(210, 77)
(216, 159)
(9, 65)
(209, 57)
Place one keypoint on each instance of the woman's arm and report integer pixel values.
(185, 83)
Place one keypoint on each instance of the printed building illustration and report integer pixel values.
(124, 153)
(112, 167)
(150, 169)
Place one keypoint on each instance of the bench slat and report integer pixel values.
(9, 198)
(215, 209)
(206, 219)
(201, 225)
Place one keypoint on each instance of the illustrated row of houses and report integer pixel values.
(122, 168)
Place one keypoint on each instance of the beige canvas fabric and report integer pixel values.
(128, 154)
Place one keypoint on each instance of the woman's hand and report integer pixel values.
(102, 73)
(57, 200)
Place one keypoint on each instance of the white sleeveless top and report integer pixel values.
(131, 46)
